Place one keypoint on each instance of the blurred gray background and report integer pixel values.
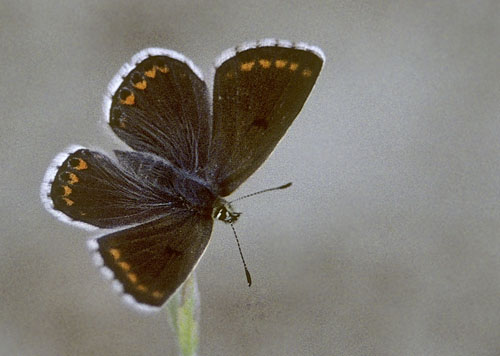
(388, 243)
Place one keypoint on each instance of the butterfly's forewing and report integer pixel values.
(258, 92)
(150, 261)
(159, 104)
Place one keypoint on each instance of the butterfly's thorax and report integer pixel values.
(194, 195)
(165, 185)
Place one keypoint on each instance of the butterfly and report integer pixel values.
(160, 199)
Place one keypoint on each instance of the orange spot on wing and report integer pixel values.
(141, 85)
(81, 165)
(67, 190)
(280, 63)
(163, 69)
(294, 66)
(115, 253)
(307, 72)
(157, 294)
(264, 63)
(68, 202)
(124, 266)
(72, 178)
(247, 67)
(151, 73)
(132, 277)
(230, 75)
(142, 288)
(129, 100)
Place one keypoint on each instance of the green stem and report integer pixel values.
(184, 310)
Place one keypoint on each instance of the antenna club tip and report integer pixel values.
(249, 278)
(284, 186)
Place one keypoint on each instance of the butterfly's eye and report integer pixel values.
(220, 214)
(225, 214)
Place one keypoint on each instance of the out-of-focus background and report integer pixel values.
(388, 243)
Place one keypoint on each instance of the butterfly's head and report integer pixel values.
(223, 211)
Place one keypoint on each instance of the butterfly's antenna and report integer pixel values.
(247, 273)
(284, 186)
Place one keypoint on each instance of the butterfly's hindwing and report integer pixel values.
(162, 107)
(152, 260)
(258, 92)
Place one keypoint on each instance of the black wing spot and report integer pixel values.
(136, 77)
(124, 93)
